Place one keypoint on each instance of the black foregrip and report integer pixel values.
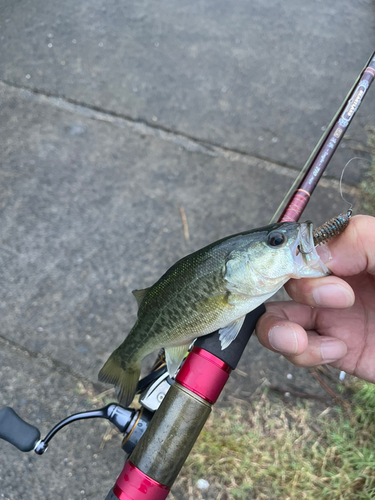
(232, 354)
(16, 431)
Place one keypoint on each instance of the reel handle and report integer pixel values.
(16, 431)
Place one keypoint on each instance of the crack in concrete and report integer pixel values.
(187, 142)
(57, 365)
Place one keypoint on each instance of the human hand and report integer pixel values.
(331, 319)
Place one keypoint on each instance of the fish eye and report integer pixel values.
(276, 239)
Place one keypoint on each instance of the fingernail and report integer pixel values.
(283, 338)
(332, 296)
(331, 350)
(324, 253)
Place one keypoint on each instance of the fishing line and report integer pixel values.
(336, 225)
(350, 209)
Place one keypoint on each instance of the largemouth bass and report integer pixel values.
(208, 290)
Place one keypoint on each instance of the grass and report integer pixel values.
(368, 184)
(273, 451)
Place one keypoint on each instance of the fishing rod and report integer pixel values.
(157, 459)
(296, 199)
(160, 435)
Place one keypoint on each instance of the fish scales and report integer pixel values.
(180, 285)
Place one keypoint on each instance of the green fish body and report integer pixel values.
(211, 289)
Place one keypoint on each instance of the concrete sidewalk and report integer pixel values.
(113, 117)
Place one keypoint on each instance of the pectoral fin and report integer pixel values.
(230, 332)
(174, 357)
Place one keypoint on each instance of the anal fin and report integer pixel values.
(230, 332)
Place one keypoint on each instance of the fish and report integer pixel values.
(211, 290)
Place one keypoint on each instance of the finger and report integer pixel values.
(319, 350)
(353, 251)
(323, 292)
(283, 329)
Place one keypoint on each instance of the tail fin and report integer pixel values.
(124, 379)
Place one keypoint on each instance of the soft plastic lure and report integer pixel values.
(331, 228)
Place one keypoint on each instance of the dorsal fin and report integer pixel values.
(139, 295)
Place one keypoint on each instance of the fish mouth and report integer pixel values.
(307, 261)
